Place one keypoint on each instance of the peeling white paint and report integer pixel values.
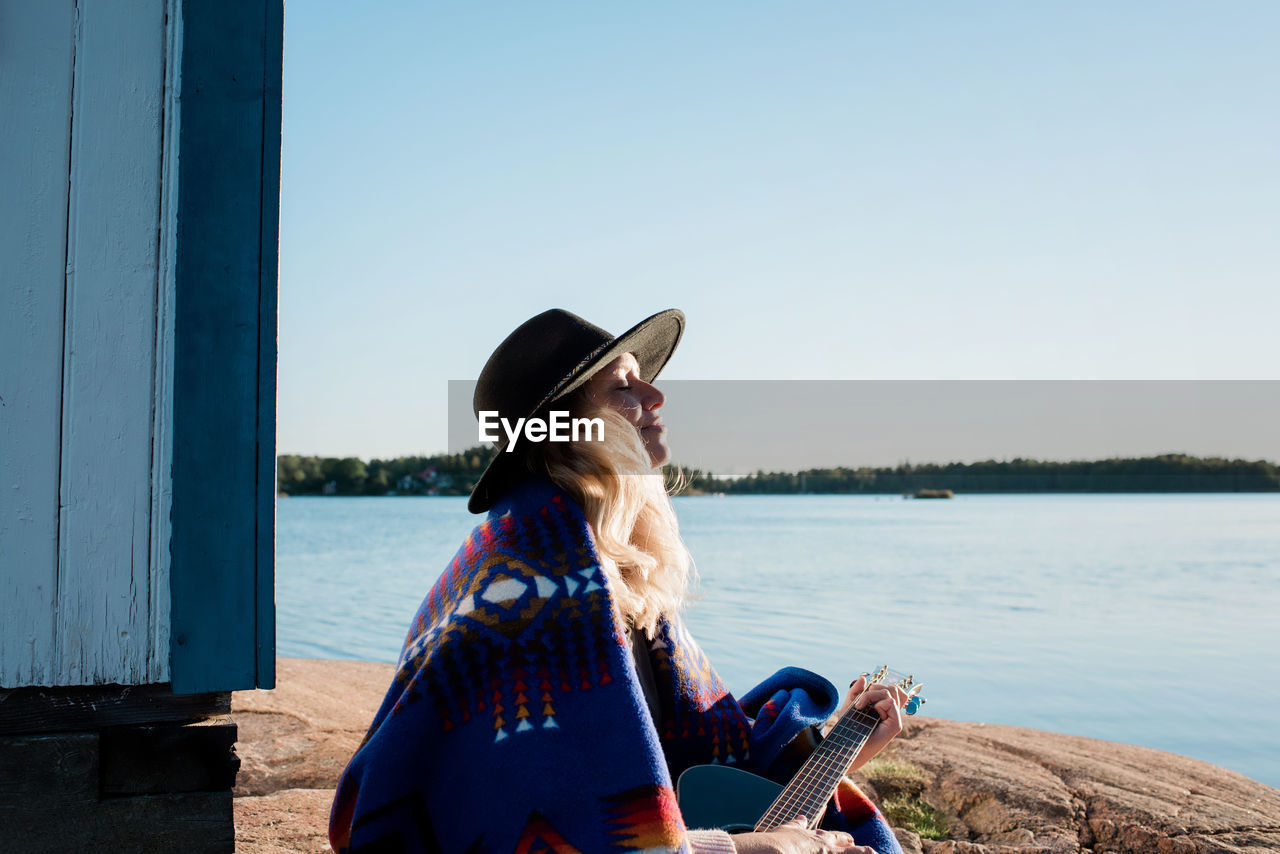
(35, 101)
(86, 341)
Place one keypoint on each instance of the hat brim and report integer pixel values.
(651, 341)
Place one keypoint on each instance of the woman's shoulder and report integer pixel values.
(536, 496)
(534, 549)
(536, 525)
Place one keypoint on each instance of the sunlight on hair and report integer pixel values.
(629, 510)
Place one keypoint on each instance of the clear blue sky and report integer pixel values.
(836, 190)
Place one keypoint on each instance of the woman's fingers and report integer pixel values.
(838, 838)
(899, 696)
(821, 841)
(856, 687)
(871, 696)
(890, 719)
(874, 695)
(890, 712)
(836, 841)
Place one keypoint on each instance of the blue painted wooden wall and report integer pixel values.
(222, 577)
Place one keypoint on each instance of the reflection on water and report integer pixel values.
(1113, 616)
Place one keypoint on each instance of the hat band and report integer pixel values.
(573, 373)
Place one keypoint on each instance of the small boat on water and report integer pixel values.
(934, 493)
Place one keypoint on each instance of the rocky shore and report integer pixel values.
(984, 789)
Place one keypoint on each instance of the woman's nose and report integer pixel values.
(653, 398)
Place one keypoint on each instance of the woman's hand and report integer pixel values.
(886, 701)
(795, 837)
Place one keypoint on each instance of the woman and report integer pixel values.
(548, 694)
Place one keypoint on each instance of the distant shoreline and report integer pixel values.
(456, 474)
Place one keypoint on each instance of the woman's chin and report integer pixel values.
(659, 455)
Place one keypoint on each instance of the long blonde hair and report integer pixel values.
(629, 510)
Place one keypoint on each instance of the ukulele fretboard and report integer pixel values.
(808, 792)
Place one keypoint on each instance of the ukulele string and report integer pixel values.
(818, 778)
(820, 775)
(831, 768)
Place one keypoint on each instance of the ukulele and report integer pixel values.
(739, 801)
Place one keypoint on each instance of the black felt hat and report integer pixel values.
(547, 358)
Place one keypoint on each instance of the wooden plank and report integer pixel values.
(35, 101)
(68, 709)
(46, 769)
(158, 824)
(194, 823)
(103, 604)
(216, 579)
(50, 801)
(268, 317)
(162, 426)
(154, 759)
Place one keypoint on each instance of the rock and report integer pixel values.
(1025, 790)
(909, 841)
(1003, 790)
(290, 820)
(301, 734)
(294, 742)
(950, 846)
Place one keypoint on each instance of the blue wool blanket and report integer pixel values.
(516, 721)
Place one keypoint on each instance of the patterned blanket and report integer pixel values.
(516, 721)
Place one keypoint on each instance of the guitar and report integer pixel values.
(738, 801)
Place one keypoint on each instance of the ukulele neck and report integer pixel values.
(814, 784)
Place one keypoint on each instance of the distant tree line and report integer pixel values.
(456, 474)
(1164, 473)
(440, 474)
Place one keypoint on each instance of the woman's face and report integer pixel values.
(618, 386)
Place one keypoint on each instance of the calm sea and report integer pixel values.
(1145, 619)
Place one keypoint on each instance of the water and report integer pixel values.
(1144, 619)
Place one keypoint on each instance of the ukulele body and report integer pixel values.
(719, 796)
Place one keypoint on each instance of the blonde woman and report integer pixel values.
(548, 694)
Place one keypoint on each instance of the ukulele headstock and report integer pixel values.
(886, 676)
